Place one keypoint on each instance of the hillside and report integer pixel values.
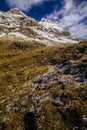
(43, 87)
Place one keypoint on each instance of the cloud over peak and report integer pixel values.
(71, 16)
(23, 4)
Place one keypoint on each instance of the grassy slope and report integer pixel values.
(18, 68)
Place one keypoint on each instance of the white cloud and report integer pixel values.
(68, 5)
(23, 4)
(80, 30)
(72, 16)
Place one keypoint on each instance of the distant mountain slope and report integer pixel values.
(15, 25)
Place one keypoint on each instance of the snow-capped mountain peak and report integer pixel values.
(50, 24)
(15, 10)
(15, 22)
(46, 20)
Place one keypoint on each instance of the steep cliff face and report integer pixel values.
(15, 24)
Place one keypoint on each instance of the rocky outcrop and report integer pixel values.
(55, 87)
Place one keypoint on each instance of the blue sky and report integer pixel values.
(71, 14)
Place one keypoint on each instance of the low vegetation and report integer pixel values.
(42, 88)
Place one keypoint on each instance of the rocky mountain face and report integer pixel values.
(15, 25)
